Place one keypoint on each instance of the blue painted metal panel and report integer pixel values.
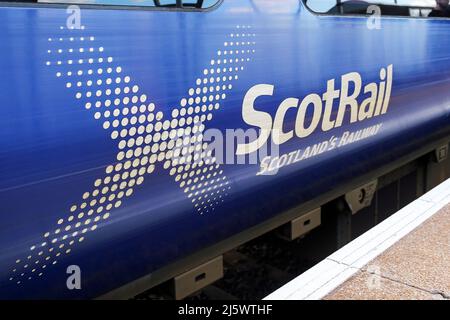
(63, 157)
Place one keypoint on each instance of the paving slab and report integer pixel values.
(416, 267)
(407, 256)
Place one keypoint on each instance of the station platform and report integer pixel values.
(406, 256)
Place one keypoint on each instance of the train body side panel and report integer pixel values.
(87, 170)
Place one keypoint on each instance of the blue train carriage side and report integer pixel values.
(109, 114)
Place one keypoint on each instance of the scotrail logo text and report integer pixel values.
(320, 106)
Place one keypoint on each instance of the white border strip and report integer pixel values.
(327, 275)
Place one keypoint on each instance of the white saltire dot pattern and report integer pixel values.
(144, 136)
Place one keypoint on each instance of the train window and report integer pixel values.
(199, 4)
(407, 8)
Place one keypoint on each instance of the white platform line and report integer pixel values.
(330, 273)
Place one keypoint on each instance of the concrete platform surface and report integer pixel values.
(407, 256)
(416, 267)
